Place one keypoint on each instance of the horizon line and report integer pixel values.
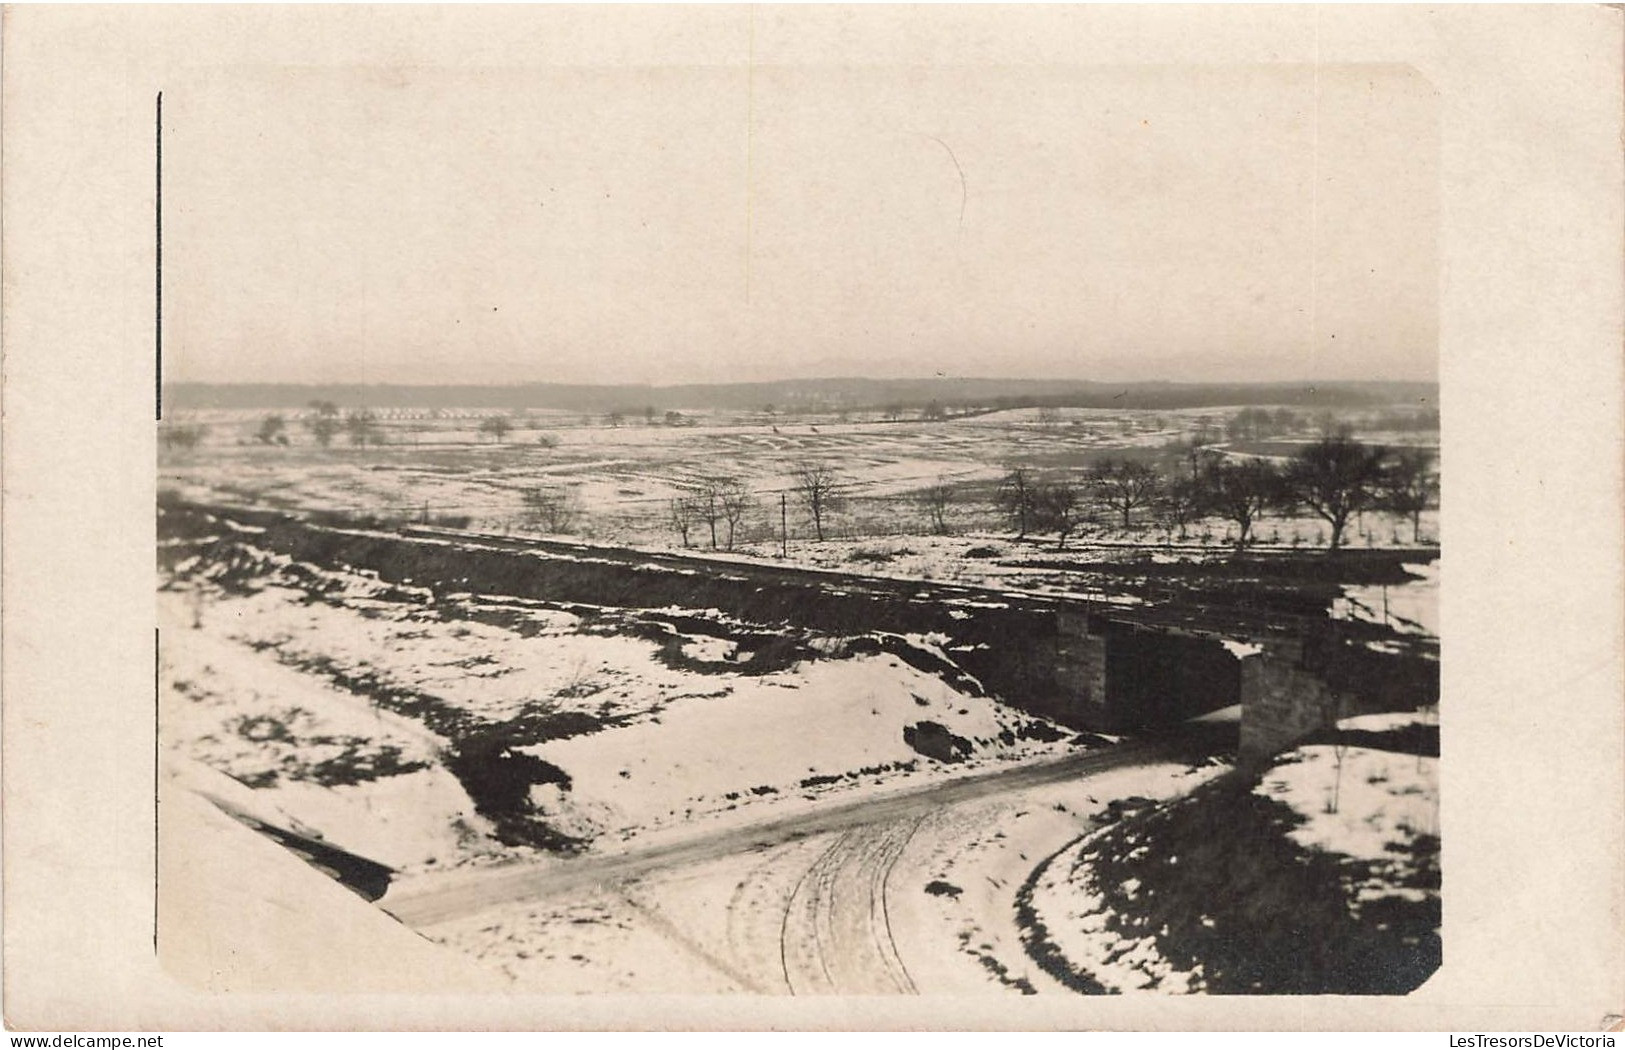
(799, 379)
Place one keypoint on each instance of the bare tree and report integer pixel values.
(1339, 752)
(1014, 499)
(552, 509)
(735, 499)
(1181, 503)
(1125, 485)
(325, 423)
(1329, 425)
(1241, 492)
(497, 426)
(1249, 424)
(181, 436)
(936, 499)
(1057, 507)
(683, 516)
(708, 508)
(362, 427)
(1410, 486)
(1336, 478)
(271, 431)
(1193, 454)
(818, 486)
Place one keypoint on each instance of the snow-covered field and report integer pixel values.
(332, 705)
(623, 478)
(459, 736)
(360, 777)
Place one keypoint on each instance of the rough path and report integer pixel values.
(431, 900)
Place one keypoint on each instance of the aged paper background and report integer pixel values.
(1530, 344)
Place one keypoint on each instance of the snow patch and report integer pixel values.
(1359, 803)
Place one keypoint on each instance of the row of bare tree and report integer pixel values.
(360, 426)
(1335, 479)
(325, 423)
(722, 502)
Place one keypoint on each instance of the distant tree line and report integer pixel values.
(326, 422)
(798, 395)
(1261, 424)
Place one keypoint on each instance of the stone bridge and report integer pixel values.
(1094, 665)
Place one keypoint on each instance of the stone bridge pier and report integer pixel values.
(1282, 701)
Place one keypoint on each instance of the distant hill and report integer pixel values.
(801, 395)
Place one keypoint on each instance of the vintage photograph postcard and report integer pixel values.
(839, 517)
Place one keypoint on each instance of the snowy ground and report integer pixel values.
(1360, 802)
(332, 715)
(373, 715)
(347, 710)
(773, 734)
(924, 903)
(362, 778)
(239, 914)
(1412, 608)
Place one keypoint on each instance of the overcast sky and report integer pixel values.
(744, 221)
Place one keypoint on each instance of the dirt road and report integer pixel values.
(431, 900)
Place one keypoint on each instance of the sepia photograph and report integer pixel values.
(747, 502)
(787, 531)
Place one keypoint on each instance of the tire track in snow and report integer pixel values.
(835, 934)
(756, 911)
(878, 895)
(801, 952)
